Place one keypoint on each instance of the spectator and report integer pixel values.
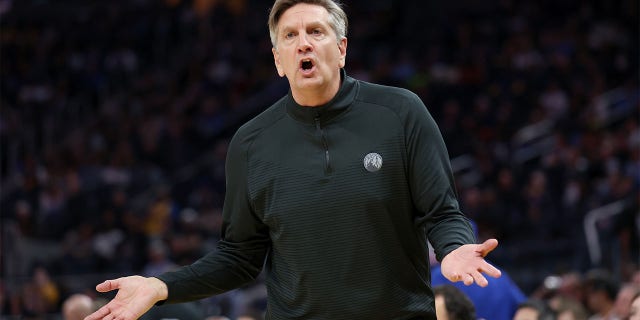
(624, 298)
(567, 308)
(42, 294)
(77, 307)
(600, 293)
(634, 309)
(452, 304)
(534, 309)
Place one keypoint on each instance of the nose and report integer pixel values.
(303, 43)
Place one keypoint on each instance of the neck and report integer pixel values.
(313, 97)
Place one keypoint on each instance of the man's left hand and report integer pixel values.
(467, 264)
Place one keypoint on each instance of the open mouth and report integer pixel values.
(306, 64)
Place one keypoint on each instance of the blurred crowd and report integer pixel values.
(115, 117)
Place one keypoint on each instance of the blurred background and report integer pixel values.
(115, 117)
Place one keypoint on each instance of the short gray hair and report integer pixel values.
(337, 16)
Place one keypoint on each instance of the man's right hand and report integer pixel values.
(136, 295)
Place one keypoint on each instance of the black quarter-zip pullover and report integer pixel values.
(337, 203)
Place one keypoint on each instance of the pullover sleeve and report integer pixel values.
(432, 183)
(240, 254)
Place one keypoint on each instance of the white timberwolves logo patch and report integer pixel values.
(372, 162)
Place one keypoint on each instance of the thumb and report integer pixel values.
(488, 246)
(108, 285)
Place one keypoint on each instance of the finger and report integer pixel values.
(108, 285)
(479, 279)
(468, 280)
(488, 246)
(491, 270)
(453, 277)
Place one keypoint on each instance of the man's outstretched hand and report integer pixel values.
(136, 295)
(467, 264)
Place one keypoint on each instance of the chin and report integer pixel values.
(306, 83)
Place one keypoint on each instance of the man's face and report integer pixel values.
(308, 52)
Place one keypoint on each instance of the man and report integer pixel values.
(453, 304)
(334, 189)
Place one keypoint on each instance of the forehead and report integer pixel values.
(303, 13)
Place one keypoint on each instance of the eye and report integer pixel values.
(316, 32)
(289, 35)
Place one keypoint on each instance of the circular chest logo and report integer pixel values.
(372, 162)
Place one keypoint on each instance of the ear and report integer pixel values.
(342, 46)
(276, 60)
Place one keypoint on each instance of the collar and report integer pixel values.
(340, 103)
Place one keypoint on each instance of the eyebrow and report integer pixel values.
(312, 24)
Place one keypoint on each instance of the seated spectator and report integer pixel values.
(77, 306)
(634, 309)
(534, 309)
(622, 305)
(452, 304)
(600, 293)
(568, 308)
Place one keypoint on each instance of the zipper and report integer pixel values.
(327, 163)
